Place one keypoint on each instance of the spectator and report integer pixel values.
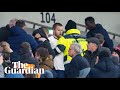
(72, 35)
(116, 54)
(24, 55)
(78, 67)
(59, 59)
(46, 30)
(6, 49)
(42, 39)
(97, 28)
(100, 37)
(45, 62)
(1, 49)
(1, 66)
(6, 53)
(18, 35)
(5, 31)
(13, 75)
(105, 68)
(93, 51)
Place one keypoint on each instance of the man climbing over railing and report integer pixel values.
(97, 28)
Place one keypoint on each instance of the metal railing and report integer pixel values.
(37, 24)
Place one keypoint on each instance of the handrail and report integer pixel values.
(111, 33)
(34, 24)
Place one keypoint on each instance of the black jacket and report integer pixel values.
(105, 68)
(24, 56)
(77, 63)
(4, 33)
(91, 57)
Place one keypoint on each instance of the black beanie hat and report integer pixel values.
(70, 25)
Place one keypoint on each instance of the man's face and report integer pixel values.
(91, 47)
(115, 54)
(37, 36)
(58, 31)
(1, 58)
(71, 51)
(90, 25)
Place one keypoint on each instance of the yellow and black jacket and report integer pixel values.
(72, 36)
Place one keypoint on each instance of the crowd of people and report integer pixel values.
(65, 54)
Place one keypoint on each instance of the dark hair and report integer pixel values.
(43, 53)
(26, 45)
(20, 23)
(100, 37)
(105, 53)
(91, 19)
(55, 25)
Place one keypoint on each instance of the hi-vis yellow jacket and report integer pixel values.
(72, 36)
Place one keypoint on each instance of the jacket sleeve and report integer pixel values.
(48, 46)
(34, 45)
(108, 42)
(61, 46)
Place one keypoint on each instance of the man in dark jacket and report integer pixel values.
(18, 35)
(78, 67)
(5, 31)
(93, 51)
(97, 28)
(105, 68)
(39, 35)
(24, 55)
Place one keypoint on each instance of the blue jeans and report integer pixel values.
(84, 72)
(47, 74)
(58, 73)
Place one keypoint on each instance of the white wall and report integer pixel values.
(109, 20)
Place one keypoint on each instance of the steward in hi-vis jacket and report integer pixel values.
(72, 35)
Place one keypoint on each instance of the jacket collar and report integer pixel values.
(71, 31)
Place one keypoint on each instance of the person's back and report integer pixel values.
(97, 28)
(78, 63)
(24, 55)
(105, 68)
(18, 35)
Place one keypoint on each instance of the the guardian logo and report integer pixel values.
(20, 68)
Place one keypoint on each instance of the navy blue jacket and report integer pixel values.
(18, 35)
(104, 69)
(99, 29)
(77, 63)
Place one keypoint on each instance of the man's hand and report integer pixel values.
(42, 39)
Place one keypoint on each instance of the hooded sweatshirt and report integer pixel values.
(99, 29)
